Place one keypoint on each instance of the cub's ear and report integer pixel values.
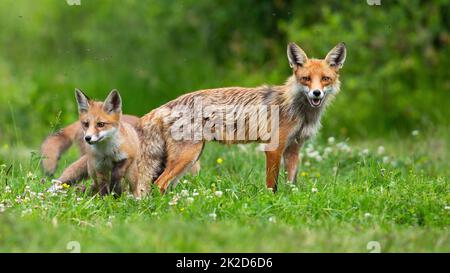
(82, 101)
(113, 103)
(296, 56)
(336, 57)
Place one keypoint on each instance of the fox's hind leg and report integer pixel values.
(180, 157)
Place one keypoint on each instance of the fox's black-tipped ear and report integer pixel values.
(113, 102)
(82, 101)
(336, 57)
(296, 55)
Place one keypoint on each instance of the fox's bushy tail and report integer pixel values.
(56, 144)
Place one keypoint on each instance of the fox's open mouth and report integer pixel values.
(315, 102)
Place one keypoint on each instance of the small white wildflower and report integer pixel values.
(40, 195)
(415, 133)
(2, 208)
(385, 159)
(7, 189)
(367, 215)
(331, 140)
(294, 189)
(79, 199)
(318, 158)
(27, 188)
(18, 199)
(55, 222)
(212, 216)
(314, 190)
(272, 219)
(447, 207)
(380, 150)
(32, 194)
(313, 154)
(190, 200)
(184, 181)
(327, 150)
(382, 171)
(184, 193)
(218, 193)
(174, 200)
(307, 164)
(195, 193)
(365, 152)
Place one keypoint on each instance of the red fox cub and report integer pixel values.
(113, 145)
(299, 104)
(56, 144)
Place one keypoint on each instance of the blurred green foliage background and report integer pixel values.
(396, 77)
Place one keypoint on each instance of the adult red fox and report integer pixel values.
(300, 103)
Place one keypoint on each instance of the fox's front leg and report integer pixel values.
(118, 172)
(291, 159)
(137, 188)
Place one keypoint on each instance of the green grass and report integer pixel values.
(342, 201)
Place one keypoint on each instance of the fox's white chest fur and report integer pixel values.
(108, 152)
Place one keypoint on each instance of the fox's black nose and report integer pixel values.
(87, 138)
(317, 93)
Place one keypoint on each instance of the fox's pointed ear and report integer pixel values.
(336, 57)
(113, 102)
(296, 55)
(82, 101)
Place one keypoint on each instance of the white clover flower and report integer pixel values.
(385, 159)
(195, 193)
(307, 164)
(218, 193)
(184, 193)
(190, 200)
(294, 189)
(331, 140)
(272, 219)
(174, 200)
(327, 150)
(365, 152)
(380, 150)
(447, 207)
(7, 189)
(2, 208)
(184, 181)
(415, 133)
(32, 194)
(27, 188)
(367, 215)
(18, 199)
(79, 199)
(318, 158)
(213, 216)
(314, 190)
(40, 195)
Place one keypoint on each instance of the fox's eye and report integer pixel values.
(306, 79)
(100, 124)
(85, 124)
(325, 78)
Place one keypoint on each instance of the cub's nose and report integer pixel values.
(317, 93)
(87, 138)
